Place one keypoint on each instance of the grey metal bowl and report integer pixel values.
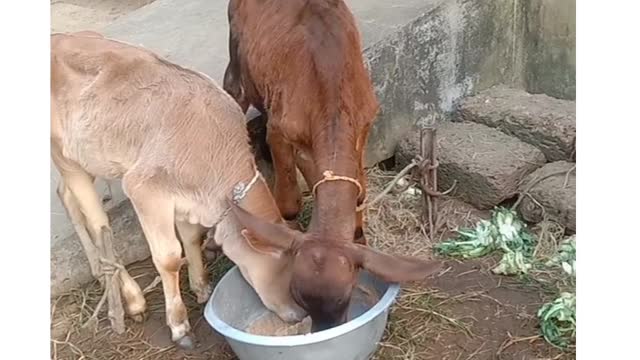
(234, 305)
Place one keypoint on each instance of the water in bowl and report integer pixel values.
(269, 324)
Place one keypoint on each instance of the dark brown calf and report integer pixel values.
(300, 61)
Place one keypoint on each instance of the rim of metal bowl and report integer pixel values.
(228, 331)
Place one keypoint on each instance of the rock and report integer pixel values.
(554, 199)
(487, 164)
(540, 120)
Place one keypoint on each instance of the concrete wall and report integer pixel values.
(421, 53)
(461, 47)
(447, 53)
(550, 42)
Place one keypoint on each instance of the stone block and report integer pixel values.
(540, 120)
(486, 164)
(552, 196)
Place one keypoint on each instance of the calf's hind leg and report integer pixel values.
(84, 207)
(79, 222)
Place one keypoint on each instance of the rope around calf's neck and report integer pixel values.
(365, 203)
(240, 190)
(328, 175)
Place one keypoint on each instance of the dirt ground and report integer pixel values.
(147, 340)
(464, 313)
(468, 313)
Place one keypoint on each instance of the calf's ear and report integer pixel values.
(264, 236)
(393, 268)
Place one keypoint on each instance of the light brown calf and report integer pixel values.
(180, 146)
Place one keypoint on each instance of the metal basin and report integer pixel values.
(234, 305)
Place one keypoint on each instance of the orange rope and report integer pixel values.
(330, 176)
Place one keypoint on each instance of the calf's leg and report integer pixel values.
(359, 236)
(79, 222)
(191, 236)
(307, 168)
(79, 193)
(286, 191)
(156, 214)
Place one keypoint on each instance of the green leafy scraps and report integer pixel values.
(505, 232)
(558, 320)
(566, 256)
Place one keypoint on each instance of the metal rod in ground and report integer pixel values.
(434, 176)
(426, 149)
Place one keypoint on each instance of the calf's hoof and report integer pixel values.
(211, 255)
(137, 317)
(203, 293)
(186, 342)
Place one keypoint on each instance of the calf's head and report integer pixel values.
(324, 273)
